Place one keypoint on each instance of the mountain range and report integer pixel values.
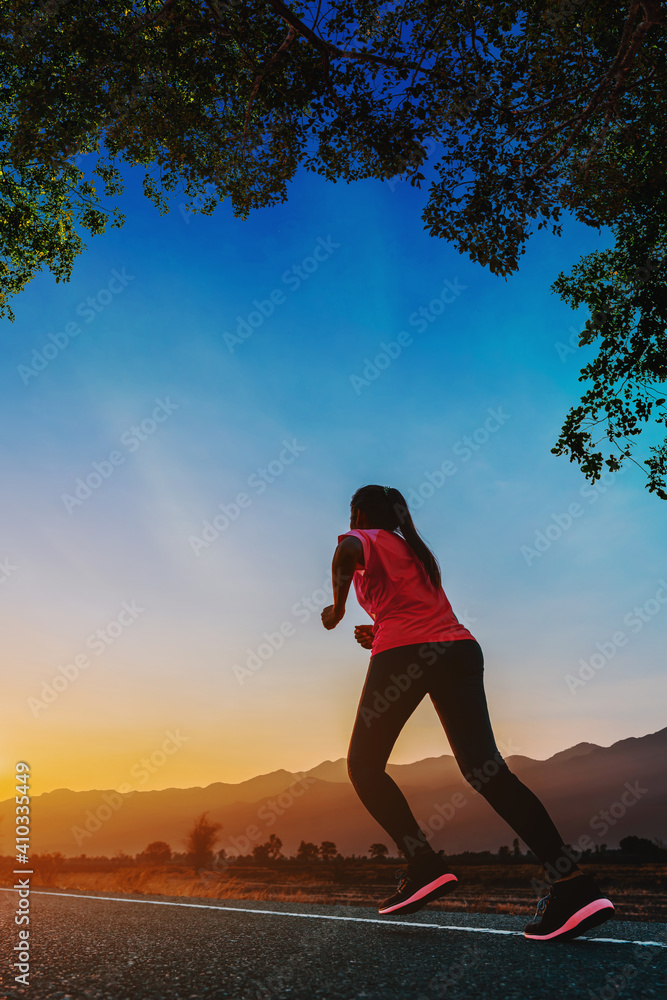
(602, 793)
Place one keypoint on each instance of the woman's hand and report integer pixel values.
(330, 617)
(364, 635)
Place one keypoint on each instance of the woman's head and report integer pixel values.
(386, 507)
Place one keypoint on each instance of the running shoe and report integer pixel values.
(426, 878)
(572, 907)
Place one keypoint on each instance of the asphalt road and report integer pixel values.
(129, 947)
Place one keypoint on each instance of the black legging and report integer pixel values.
(452, 674)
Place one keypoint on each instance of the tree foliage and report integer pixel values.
(528, 110)
(156, 853)
(201, 839)
(626, 290)
(328, 850)
(270, 850)
(649, 850)
(307, 851)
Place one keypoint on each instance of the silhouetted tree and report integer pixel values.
(120, 857)
(48, 866)
(643, 848)
(516, 850)
(328, 850)
(529, 114)
(157, 853)
(378, 851)
(260, 852)
(200, 840)
(503, 852)
(307, 851)
(269, 850)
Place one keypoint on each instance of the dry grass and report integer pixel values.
(637, 891)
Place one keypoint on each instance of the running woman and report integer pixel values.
(419, 647)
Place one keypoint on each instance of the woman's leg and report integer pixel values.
(456, 686)
(395, 684)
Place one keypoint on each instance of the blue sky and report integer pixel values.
(155, 345)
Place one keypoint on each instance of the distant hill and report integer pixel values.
(604, 792)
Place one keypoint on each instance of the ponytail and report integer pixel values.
(387, 508)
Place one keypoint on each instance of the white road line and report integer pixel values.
(321, 916)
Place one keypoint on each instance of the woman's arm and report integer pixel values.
(348, 555)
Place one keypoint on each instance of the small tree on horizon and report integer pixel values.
(201, 839)
(516, 850)
(269, 850)
(643, 847)
(378, 851)
(328, 850)
(120, 857)
(48, 866)
(157, 853)
(307, 851)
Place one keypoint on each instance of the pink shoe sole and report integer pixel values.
(588, 916)
(432, 890)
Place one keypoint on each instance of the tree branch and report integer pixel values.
(549, 103)
(592, 104)
(333, 50)
(302, 28)
(342, 107)
(598, 142)
(653, 12)
(433, 30)
(143, 21)
(473, 35)
(289, 38)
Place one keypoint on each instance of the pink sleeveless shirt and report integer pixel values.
(394, 588)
